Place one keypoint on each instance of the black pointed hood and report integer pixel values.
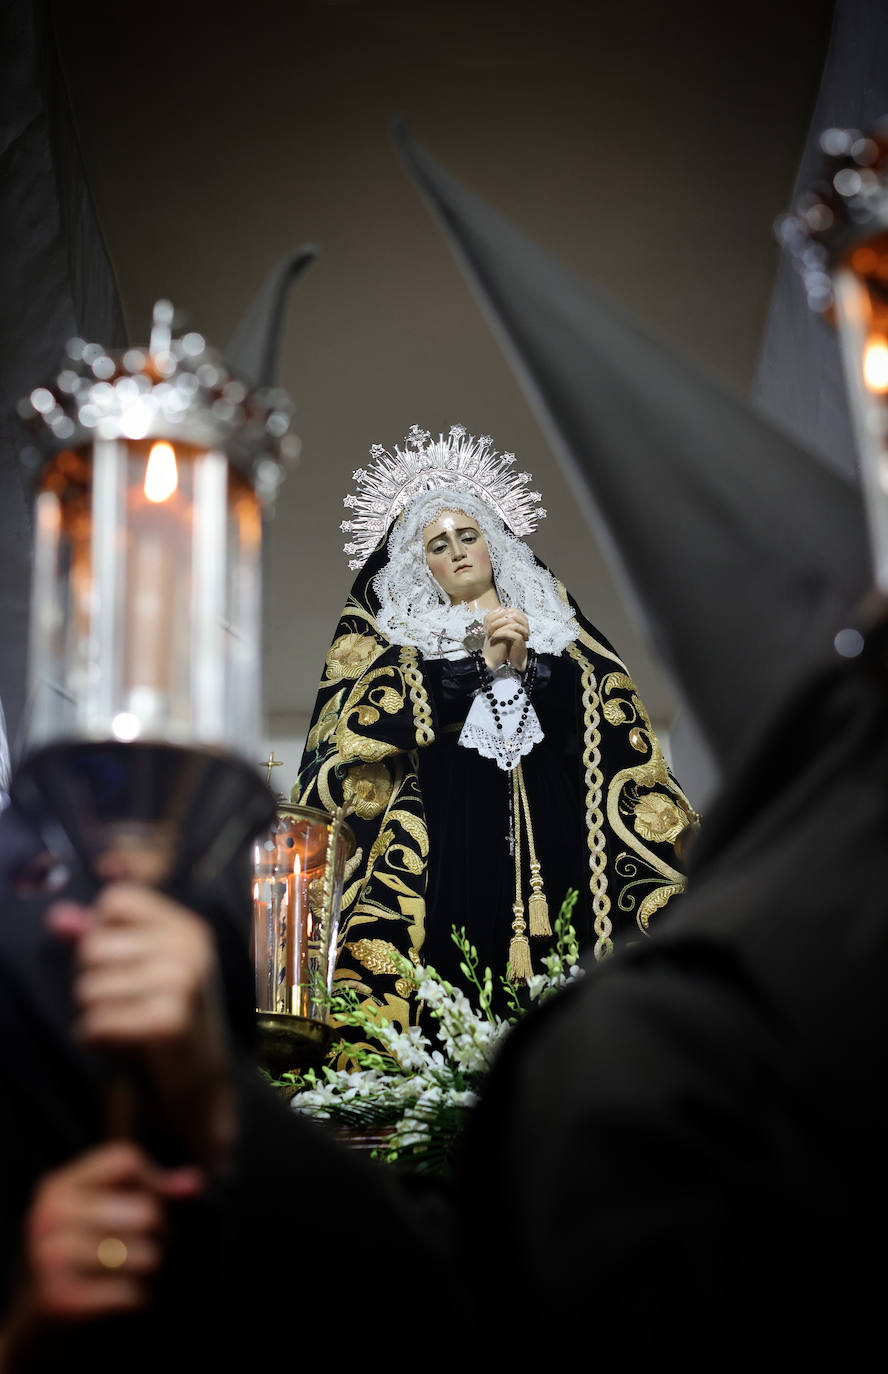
(254, 349)
(741, 552)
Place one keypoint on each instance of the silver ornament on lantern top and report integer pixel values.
(154, 470)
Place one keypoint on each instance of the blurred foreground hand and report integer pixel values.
(147, 986)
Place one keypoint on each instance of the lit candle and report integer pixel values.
(155, 532)
(297, 947)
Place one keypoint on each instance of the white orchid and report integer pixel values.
(420, 1092)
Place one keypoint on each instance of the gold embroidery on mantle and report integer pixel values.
(369, 689)
(350, 656)
(366, 702)
(654, 901)
(366, 789)
(594, 779)
(649, 810)
(394, 1009)
(658, 819)
(326, 722)
(422, 712)
(377, 956)
(415, 828)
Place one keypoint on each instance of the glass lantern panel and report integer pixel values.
(146, 614)
(298, 872)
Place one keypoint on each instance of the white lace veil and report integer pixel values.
(414, 609)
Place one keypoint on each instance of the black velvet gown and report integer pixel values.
(471, 879)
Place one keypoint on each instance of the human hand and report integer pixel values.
(94, 1234)
(147, 985)
(507, 630)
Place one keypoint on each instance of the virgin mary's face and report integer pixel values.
(457, 554)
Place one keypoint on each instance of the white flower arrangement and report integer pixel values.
(418, 1095)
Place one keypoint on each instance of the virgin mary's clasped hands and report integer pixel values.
(507, 631)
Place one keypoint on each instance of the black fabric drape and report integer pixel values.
(56, 281)
(740, 551)
(229, 1266)
(693, 1138)
(681, 1158)
(799, 381)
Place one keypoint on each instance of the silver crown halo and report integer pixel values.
(388, 484)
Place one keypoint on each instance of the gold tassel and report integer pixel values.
(520, 968)
(537, 905)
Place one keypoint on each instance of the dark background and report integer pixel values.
(649, 146)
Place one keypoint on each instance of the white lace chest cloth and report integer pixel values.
(519, 724)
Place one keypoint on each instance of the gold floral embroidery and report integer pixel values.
(367, 715)
(370, 690)
(379, 846)
(412, 862)
(614, 712)
(654, 772)
(350, 655)
(365, 747)
(655, 900)
(376, 955)
(387, 699)
(366, 790)
(416, 829)
(657, 818)
(326, 723)
(379, 957)
(396, 1010)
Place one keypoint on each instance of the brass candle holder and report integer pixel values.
(298, 875)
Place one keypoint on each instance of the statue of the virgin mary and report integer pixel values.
(487, 742)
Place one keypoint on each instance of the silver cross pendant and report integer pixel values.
(473, 639)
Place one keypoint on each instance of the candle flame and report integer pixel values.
(161, 476)
(126, 726)
(875, 364)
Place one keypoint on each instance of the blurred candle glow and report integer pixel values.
(875, 364)
(161, 474)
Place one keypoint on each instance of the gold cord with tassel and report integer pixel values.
(538, 907)
(519, 969)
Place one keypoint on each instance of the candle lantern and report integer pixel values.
(298, 874)
(154, 470)
(837, 235)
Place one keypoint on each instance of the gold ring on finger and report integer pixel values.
(111, 1252)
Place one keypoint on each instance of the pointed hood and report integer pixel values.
(255, 347)
(740, 551)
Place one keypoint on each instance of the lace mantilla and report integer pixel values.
(415, 610)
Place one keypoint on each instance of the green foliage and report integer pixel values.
(419, 1095)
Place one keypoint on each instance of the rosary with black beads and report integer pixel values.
(525, 686)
